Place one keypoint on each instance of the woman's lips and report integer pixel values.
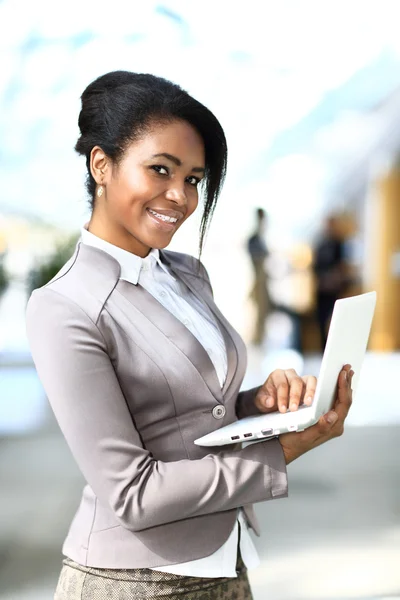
(160, 223)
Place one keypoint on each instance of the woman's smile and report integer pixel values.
(165, 219)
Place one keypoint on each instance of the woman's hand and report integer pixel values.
(329, 426)
(285, 389)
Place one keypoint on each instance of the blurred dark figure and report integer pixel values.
(330, 271)
(4, 278)
(258, 251)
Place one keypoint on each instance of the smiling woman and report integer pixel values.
(148, 145)
(138, 362)
(149, 193)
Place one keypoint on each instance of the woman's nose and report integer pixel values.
(176, 193)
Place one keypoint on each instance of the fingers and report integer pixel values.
(332, 423)
(297, 443)
(311, 385)
(289, 388)
(285, 390)
(296, 392)
(273, 393)
(329, 426)
(335, 418)
(266, 400)
(344, 395)
(282, 390)
(343, 379)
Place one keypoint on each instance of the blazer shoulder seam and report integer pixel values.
(74, 303)
(55, 278)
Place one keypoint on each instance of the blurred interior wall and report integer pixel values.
(384, 271)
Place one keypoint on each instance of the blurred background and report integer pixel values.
(308, 93)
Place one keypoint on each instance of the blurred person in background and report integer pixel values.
(138, 362)
(330, 269)
(4, 278)
(258, 252)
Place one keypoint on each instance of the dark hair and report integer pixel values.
(118, 107)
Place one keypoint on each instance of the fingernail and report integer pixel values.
(283, 409)
(270, 402)
(331, 418)
(293, 406)
(308, 400)
(345, 375)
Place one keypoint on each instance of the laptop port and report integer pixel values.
(267, 431)
(248, 435)
(235, 437)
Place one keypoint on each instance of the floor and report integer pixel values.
(336, 536)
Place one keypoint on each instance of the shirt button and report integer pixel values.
(186, 322)
(163, 294)
(218, 412)
(145, 267)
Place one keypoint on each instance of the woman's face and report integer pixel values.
(152, 190)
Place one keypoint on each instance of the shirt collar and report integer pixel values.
(131, 264)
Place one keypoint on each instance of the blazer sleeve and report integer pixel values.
(245, 406)
(71, 359)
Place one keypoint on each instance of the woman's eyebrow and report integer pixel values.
(177, 161)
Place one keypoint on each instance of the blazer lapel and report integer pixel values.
(108, 268)
(174, 330)
(196, 285)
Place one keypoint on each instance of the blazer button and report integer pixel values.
(218, 412)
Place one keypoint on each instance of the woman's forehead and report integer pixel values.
(177, 138)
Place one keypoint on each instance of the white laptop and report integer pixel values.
(346, 344)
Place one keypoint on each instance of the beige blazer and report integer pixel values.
(131, 389)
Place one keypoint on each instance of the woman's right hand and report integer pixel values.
(329, 426)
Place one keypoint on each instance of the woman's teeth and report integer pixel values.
(163, 217)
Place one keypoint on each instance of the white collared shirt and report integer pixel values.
(176, 297)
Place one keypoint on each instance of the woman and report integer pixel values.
(138, 362)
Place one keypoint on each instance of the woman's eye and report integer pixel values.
(193, 180)
(160, 169)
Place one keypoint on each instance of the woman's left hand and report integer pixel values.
(285, 390)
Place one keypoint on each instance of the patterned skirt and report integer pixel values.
(87, 583)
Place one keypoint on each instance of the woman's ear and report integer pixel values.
(98, 164)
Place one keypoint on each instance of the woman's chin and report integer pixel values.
(160, 240)
(157, 245)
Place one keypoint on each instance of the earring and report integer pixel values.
(100, 191)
